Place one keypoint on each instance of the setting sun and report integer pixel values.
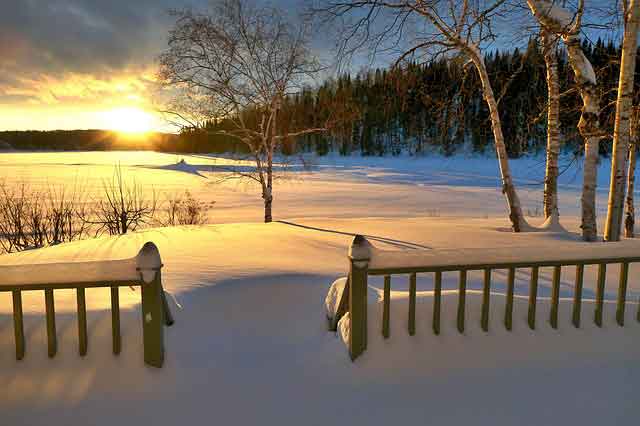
(129, 120)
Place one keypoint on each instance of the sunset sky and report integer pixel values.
(69, 64)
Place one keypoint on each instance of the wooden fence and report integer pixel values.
(366, 260)
(144, 271)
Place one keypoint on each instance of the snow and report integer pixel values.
(561, 20)
(250, 343)
(61, 264)
(478, 257)
(553, 11)
(332, 300)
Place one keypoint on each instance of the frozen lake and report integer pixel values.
(329, 186)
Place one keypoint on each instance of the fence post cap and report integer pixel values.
(149, 262)
(360, 249)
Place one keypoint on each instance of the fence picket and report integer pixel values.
(52, 344)
(18, 324)
(508, 311)
(555, 297)
(462, 294)
(622, 293)
(82, 321)
(115, 320)
(533, 297)
(386, 306)
(602, 276)
(577, 296)
(412, 305)
(437, 301)
(486, 293)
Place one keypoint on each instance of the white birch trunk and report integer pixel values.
(630, 217)
(553, 127)
(621, 133)
(516, 217)
(559, 21)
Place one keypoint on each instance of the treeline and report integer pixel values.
(85, 140)
(435, 106)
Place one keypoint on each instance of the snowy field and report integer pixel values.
(250, 346)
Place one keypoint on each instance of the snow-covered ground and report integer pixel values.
(250, 345)
(334, 187)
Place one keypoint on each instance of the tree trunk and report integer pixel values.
(516, 217)
(630, 218)
(589, 185)
(621, 132)
(268, 202)
(553, 127)
(551, 16)
(268, 191)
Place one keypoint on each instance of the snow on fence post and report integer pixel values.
(359, 255)
(153, 320)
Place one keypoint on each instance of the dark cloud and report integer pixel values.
(42, 39)
(55, 36)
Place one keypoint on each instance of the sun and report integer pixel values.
(129, 120)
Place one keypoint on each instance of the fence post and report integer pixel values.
(153, 321)
(153, 314)
(359, 255)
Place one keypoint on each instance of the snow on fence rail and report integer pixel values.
(143, 270)
(350, 295)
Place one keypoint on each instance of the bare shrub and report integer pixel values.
(122, 208)
(184, 209)
(32, 219)
(67, 215)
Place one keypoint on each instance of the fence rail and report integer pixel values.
(144, 272)
(366, 260)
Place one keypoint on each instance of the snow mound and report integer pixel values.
(333, 297)
(181, 166)
(252, 328)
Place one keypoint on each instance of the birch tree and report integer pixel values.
(462, 27)
(238, 62)
(621, 132)
(550, 45)
(566, 25)
(630, 216)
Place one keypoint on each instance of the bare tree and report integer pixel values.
(238, 62)
(565, 24)
(440, 27)
(621, 132)
(122, 208)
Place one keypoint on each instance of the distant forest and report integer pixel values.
(420, 108)
(85, 140)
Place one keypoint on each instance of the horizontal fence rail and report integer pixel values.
(155, 309)
(366, 260)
